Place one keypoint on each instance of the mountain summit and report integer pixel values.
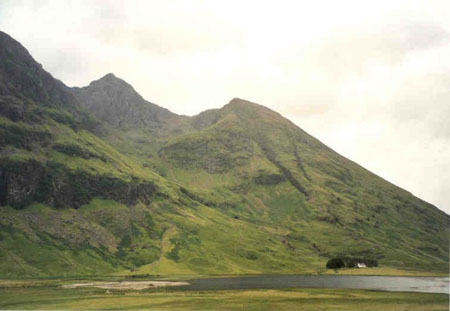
(97, 180)
(114, 101)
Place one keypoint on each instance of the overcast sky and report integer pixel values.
(371, 79)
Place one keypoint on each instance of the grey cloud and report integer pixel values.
(110, 12)
(308, 106)
(353, 50)
(425, 100)
(420, 35)
(147, 29)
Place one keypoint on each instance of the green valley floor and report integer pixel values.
(48, 295)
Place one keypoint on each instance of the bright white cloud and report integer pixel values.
(369, 78)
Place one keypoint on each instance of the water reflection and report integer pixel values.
(385, 283)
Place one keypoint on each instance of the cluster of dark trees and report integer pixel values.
(350, 262)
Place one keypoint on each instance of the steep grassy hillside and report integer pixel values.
(251, 162)
(96, 180)
(53, 166)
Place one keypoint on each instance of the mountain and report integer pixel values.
(115, 102)
(97, 180)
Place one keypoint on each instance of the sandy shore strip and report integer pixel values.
(126, 285)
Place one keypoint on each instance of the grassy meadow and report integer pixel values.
(48, 295)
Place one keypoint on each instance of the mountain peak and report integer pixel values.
(115, 101)
(251, 110)
(239, 103)
(7, 42)
(111, 79)
(237, 100)
(23, 77)
(109, 76)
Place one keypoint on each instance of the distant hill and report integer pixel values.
(97, 180)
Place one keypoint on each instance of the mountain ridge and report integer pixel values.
(115, 102)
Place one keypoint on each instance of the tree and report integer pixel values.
(335, 263)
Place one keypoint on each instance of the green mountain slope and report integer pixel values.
(97, 180)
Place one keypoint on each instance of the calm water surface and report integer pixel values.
(385, 283)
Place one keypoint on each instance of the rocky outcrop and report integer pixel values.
(24, 182)
(115, 102)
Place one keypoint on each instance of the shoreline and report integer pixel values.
(183, 277)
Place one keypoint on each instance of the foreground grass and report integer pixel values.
(53, 298)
